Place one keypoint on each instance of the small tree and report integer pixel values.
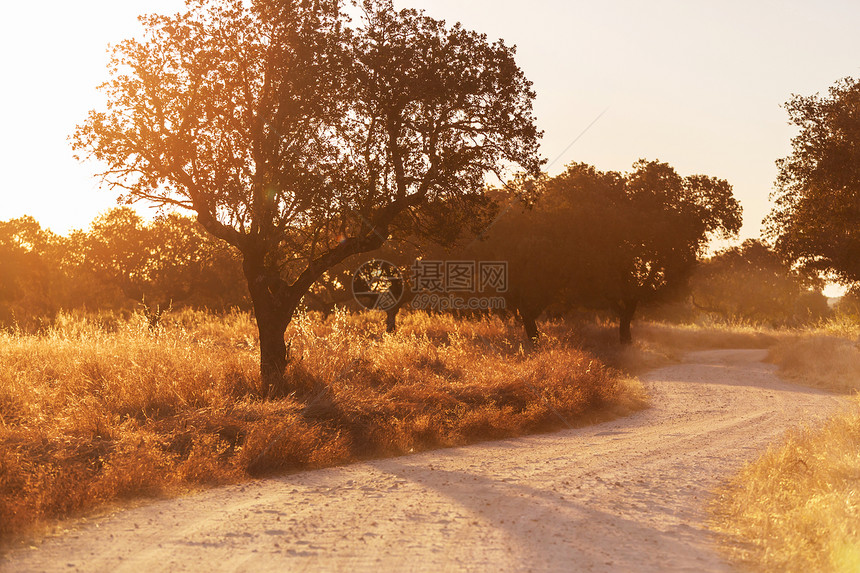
(301, 139)
(815, 219)
(752, 283)
(29, 273)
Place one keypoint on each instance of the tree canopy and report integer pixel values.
(611, 240)
(168, 261)
(119, 263)
(28, 285)
(815, 221)
(302, 138)
(751, 283)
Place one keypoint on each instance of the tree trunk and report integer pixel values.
(391, 314)
(273, 312)
(273, 353)
(625, 315)
(391, 319)
(530, 325)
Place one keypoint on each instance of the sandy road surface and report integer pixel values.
(622, 496)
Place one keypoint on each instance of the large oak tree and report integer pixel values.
(301, 138)
(815, 221)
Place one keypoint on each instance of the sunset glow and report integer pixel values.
(431, 285)
(696, 84)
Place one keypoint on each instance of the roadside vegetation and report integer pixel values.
(797, 507)
(827, 357)
(100, 408)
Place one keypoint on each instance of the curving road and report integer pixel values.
(627, 495)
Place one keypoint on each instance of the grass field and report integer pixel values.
(827, 357)
(797, 507)
(95, 410)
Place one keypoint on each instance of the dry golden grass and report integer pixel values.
(797, 508)
(659, 344)
(96, 410)
(679, 338)
(826, 357)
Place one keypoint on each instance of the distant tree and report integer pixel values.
(85, 287)
(115, 251)
(336, 287)
(848, 305)
(29, 273)
(611, 240)
(192, 267)
(670, 220)
(301, 139)
(169, 261)
(545, 240)
(752, 283)
(815, 220)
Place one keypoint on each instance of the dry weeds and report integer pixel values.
(797, 508)
(827, 357)
(96, 410)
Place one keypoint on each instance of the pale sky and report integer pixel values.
(696, 84)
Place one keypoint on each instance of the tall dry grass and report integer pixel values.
(98, 409)
(825, 357)
(797, 508)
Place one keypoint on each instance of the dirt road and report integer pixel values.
(622, 496)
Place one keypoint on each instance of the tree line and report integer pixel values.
(586, 240)
(121, 263)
